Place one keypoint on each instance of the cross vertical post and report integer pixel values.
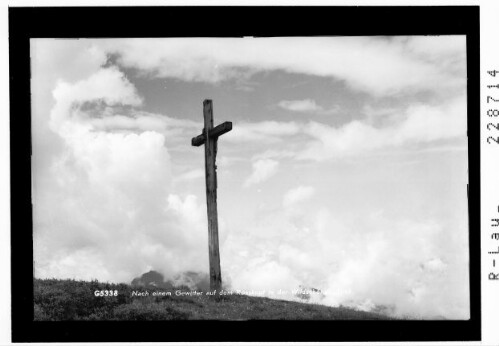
(209, 138)
(210, 152)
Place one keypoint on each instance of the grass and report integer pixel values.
(59, 300)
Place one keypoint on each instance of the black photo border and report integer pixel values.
(221, 21)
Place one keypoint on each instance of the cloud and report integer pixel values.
(262, 170)
(418, 124)
(263, 132)
(137, 121)
(306, 105)
(190, 175)
(449, 47)
(111, 184)
(435, 264)
(107, 102)
(395, 129)
(297, 194)
(122, 122)
(262, 276)
(108, 84)
(376, 65)
(49, 60)
(352, 260)
(274, 154)
(111, 189)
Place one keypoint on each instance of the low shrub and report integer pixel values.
(141, 312)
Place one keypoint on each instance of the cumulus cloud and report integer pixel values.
(401, 129)
(273, 154)
(306, 105)
(353, 260)
(107, 120)
(297, 194)
(111, 190)
(107, 84)
(434, 264)
(107, 103)
(394, 64)
(110, 208)
(262, 170)
(264, 276)
(263, 132)
(190, 175)
(452, 48)
(419, 124)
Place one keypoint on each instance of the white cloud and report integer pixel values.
(190, 175)
(452, 48)
(110, 189)
(306, 105)
(122, 122)
(262, 132)
(418, 124)
(110, 186)
(107, 84)
(274, 154)
(264, 276)
(401, 129)
(373, 64)
(435, 264)
(262, 170)
(352, 260)
(228, 161)
(297, 194)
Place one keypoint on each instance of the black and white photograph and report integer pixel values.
(190, 174)
(250, 178)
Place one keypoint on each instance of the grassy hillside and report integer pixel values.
(76, 300)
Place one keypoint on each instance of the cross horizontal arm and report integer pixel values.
(197, 141)
(214, 133)
(221, 129)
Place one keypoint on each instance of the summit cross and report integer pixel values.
(209, 137)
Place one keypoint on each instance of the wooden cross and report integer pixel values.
(209, 138)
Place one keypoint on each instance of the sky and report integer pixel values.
(345, 170)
